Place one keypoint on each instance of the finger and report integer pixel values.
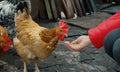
(71, 46)
(68, 45)
(75, 41)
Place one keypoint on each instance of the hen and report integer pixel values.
(5, 42)
(34, 42)
(7, 11)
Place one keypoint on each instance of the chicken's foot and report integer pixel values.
(36, 68)
(25, 67)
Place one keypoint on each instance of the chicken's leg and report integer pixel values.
(36, 68)
(25, 67)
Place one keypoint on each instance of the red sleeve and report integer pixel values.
(98, 33)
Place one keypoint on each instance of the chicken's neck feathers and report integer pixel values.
(48, 34)
(52, 44)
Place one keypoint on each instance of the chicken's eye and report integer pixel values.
(60, 30)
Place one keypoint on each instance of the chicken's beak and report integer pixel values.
(66, 35)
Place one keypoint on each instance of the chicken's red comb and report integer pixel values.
(63, 25)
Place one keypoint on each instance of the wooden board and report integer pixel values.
(67, 8)
(83, 7)
(70, 7)
(53, 8)
(42, 10)
(87, 6)
(78, 8)
(58, 4)
(48, 9)
(74, 7)
(92, 3)
(35, 8)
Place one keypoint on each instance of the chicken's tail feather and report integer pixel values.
(23, 6)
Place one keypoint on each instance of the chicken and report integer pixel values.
(7, 11)
(5, 42)
(34, 42)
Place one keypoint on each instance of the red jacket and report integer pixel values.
(98, 33)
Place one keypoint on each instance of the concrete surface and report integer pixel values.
(89, 59)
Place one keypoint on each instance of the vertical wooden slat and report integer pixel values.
(35, 8)
(68, 8)
(48, 9)
(92, 3)
(53, 8)
(83, 7)
(74, 7)
(42, 10)
(78, 8)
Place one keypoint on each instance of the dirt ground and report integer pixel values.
(62, 59)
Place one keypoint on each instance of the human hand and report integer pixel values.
(78, 44)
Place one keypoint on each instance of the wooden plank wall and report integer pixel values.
(58, 9)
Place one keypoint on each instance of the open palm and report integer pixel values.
(79, 43)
